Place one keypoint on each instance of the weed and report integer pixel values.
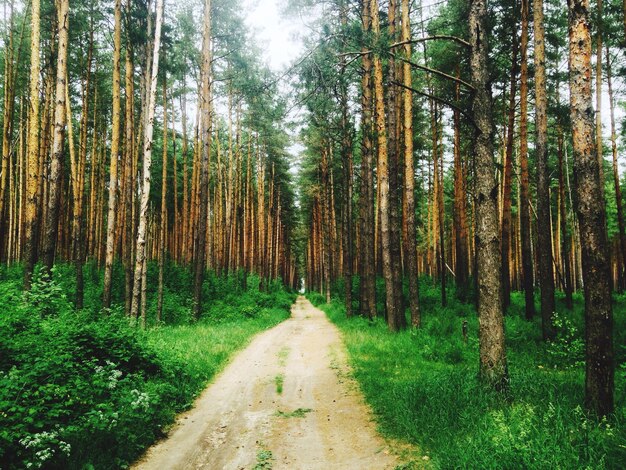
(297, 413)
(278, 380)
(264, 459)
(282, 356)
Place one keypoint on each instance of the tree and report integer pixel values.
(115, 150)
(493, 365)
(527, 263)
(409, 171)
(544, 234)
(395, 315)
(140, 260)
(205, 110)
(32, 172)
(54, 198)
(366, 214)
(599, 378)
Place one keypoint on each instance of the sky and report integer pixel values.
(277, 36)
(280, 39)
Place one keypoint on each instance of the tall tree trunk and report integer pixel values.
(438, 214)
(410, 251)
(346, 155)
(565, 238)
(140, 260)
(493, 365)
(205, 106)
(51, 227)
(599, 381)
(32, 172)
(461, 268)
(598, 82)
(616, 182)
(527, 263)
(507, 177)
(544, 238)
(163, 218)
(115, 150)
(393, 171)
(129, 173)
(7, 131)
(394, 313)
(367, 239)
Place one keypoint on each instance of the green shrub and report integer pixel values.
(87, 390)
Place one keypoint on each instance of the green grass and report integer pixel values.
(278, 381)
(206, 347)
(79, 389)
(422, 385)
(297, 413)
(264, 459)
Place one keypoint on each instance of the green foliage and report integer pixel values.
(297, 413)
(422, 385)
(73, 384)
(263, 460)
(568, 348)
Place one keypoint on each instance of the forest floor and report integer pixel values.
(286, 401)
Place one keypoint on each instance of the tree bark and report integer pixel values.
(51, 227)
(599, 380)
(616, 183)
(544, 238)
(205, 110)
(140, 259)
(527, 263)
(115, 150)
(493, 364)
(367, 239)
(394, 313)
(507, 177)
(410, 250)
(32, 171)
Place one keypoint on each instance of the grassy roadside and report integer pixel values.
(83, 390)
(422, 387)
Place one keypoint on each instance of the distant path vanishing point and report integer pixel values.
(286, 401)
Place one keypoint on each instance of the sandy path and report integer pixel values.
(241, 417)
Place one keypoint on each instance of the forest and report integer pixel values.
(425, 205)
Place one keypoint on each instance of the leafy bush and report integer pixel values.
(84, 390)
(568, 348)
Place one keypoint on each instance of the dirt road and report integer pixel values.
(285, 402)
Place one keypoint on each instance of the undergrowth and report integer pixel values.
(81, 389)
(422, 385)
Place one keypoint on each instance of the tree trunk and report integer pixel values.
(506, 184)
(140, 260)
(565, 238)
(115, 150)
(410, 250)
(544, 238)
(205, 109)
(461, 268)
(346, 154)
(616, 182)
(394, 313)
(599, 381)
(51, 227)
(367, 239)
(527, 260)
(32, 172)
(493, 365)
(163, 218)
